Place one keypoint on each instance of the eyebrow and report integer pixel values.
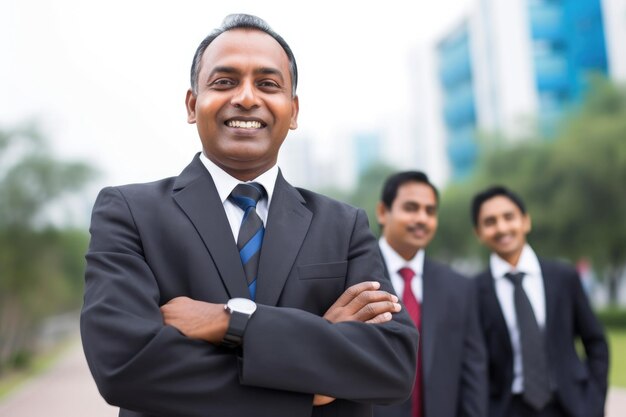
(488, 218)
(232, 70)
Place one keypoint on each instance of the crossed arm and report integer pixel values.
(208, 321)
(362, 302)
(141, 364)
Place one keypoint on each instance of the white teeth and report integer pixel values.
(244, 124)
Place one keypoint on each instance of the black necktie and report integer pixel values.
(534, 362)
(251, 232)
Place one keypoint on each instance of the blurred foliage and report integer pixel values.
(41, 266)
(613, 318)
(367, 192)
(574, 186)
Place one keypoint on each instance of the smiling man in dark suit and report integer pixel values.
(225, 291)
(532, 312)
(451, 375)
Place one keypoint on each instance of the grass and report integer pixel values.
(617, 346)
(13, 379)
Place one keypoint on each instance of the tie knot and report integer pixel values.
(407, 274)
(247, 195)
(515, 277)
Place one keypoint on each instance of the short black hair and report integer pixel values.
(242, 21)
(395, 181)
(491, 192)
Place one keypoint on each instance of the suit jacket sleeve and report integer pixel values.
(349, 360)
(140, 364)
(474, 393)
(594, 341)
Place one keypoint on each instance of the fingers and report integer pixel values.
(381, 318)
(354, 291)
(365, 299)
(365, 303)
(320, 399)
(378, 311)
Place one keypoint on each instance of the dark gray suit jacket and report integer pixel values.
(453, 353)
(580, 386)
(153, 242)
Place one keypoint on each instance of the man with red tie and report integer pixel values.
(451, 370)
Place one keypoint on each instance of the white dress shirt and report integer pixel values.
(395, 262)
(533, 285)
(225, 184)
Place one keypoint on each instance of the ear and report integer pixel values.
(528, 224)
(381, 213)
(295, 109)
(190, 103)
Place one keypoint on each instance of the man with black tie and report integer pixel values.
(532, 312)
(225, 291)
(452, 370)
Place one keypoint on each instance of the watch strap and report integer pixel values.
(237, 325)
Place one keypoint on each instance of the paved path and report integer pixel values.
(616, 403)
(67, 390)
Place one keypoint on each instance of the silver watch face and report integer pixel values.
(241, 305)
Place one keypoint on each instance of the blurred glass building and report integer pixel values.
(367, 150)
(459, 108)
(514, 66)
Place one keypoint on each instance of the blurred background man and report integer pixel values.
(451, 379)
(532, 312)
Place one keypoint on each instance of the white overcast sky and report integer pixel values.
(107, 79)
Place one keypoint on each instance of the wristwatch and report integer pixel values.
(240, 310)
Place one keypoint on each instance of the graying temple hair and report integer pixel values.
(242, 21)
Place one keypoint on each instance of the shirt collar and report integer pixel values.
(394, 261)
(528, 263)
(224, 182)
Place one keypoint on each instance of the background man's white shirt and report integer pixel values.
(395, 262)
(533, 285)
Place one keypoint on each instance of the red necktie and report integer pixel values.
(414, 309)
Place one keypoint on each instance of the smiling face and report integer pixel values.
(411, 222)
(244, 107)
(502, 227)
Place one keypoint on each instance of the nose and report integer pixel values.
(420, 216)
(245, 96)
(500, 226)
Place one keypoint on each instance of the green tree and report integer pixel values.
(455, 237)
(367, 192)
(574, 185)
(584, 213)
(40, 266)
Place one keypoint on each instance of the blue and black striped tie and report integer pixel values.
(250, 238)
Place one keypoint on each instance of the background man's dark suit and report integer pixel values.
(579, 385)
(453, 354)
(153, 242)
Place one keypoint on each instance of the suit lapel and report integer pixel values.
(287, 224)
(195, 193)
(551, 295)
(433, 310)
